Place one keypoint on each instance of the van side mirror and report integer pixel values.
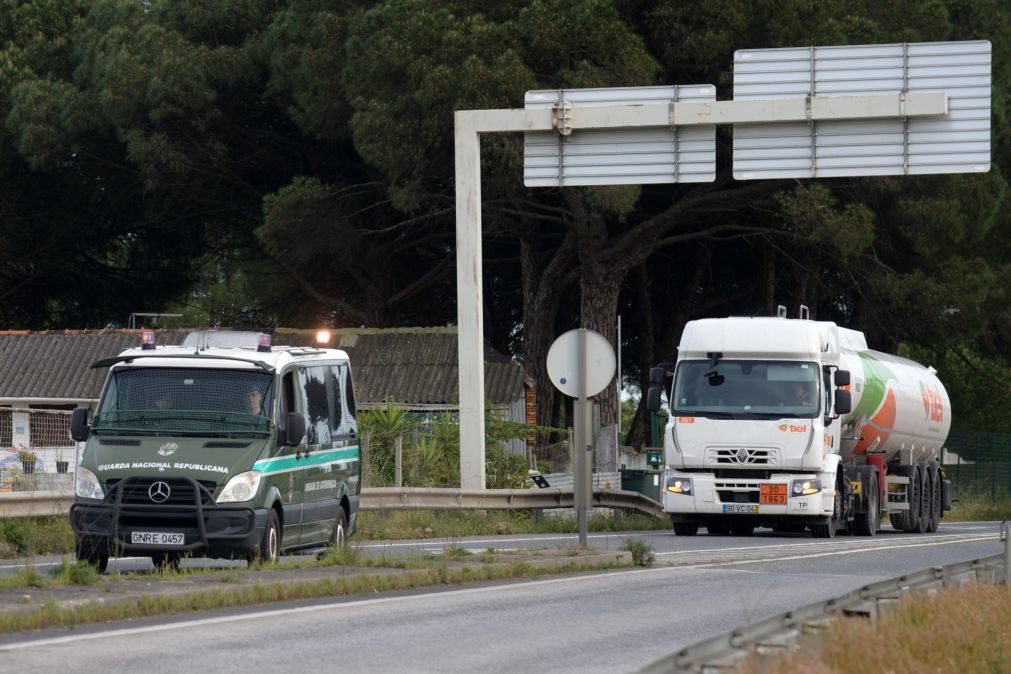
(80, 429)
(657, 375)
(843, 402)
(653, 398)
(294, 429)
(842, 377)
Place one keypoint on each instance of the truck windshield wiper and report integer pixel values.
(709, 414)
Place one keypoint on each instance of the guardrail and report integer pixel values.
(31, 504)
(801, 628)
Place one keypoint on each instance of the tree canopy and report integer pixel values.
(291, 162)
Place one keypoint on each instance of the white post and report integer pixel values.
(469, 301)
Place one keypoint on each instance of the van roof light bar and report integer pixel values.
(264, 345)
(147, 340)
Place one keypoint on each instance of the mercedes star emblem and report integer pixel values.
(159, 492)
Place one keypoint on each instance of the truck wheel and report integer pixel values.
(827, 530)
(269, 549)
(926, 496)
(742, 528)
(88, 552)
(718, 527)
(686, 528)
(908, 520)
(935, 497)
(866, 523)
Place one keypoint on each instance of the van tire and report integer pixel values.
(339, 538)
(165, 561)
(269, 550)
(88, 553)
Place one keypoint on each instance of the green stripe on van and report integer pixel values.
(318, 458)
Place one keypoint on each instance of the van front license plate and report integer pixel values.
(157, 538)
(739, 508)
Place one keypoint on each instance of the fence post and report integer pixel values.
(398, 447)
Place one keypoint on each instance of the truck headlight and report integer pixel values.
(679, 485)
(86, 485)
(805, 487)
(240, 488)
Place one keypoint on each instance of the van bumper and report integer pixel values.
(209, 531)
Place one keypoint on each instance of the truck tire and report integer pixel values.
(166, 561)
(866, 523)
(686, 528)
(936, 496)
(828, 529)
(926, 496)
(908, 520)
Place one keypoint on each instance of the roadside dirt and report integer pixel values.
(280, 584)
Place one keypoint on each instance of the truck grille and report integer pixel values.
(737, 492)
(742, 456)
(180, 492)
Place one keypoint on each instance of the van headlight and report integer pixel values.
(86, 485)
(805, 487)
(241, 488)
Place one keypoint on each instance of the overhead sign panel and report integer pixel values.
(956, 142)
(630, 156)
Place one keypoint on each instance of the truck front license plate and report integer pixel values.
(739, 508)
(157, 538)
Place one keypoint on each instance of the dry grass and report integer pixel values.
(965, 631)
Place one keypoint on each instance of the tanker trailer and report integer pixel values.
(795, 424)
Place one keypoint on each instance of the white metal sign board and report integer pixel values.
(956, 142)
(631, 156)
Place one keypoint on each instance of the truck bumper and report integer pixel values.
(742, 496)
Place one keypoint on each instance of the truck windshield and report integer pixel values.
(185, 401)
(746, 389)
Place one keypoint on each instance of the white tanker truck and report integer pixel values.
(796, 424)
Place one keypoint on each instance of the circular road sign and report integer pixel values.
(563, 363)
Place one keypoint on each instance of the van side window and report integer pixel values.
(333, 395)
(287, 398)
(317, 414)
(343, 374)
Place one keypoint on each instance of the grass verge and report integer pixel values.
(956, 631)
(172, 593)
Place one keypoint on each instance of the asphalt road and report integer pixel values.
(611, 622)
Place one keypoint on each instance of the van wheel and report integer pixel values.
(165, 561)
(339, 538)
(269, 550)
(87, 552)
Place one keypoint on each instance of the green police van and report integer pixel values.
(225, 446)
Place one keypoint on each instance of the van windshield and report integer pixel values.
(185, 401)
(746, 389)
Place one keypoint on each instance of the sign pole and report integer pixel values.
(581, 485)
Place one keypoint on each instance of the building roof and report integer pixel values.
(416, 367)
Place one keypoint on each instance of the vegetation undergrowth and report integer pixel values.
(973, 506)
(956, 631)
(642, 552)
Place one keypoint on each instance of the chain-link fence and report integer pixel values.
(978, 463)
(36, 451)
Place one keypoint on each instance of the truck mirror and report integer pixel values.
(653, 398)
(656, 375)
(842, 378)
(80, 429)
(294, 428)
(843, 402)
